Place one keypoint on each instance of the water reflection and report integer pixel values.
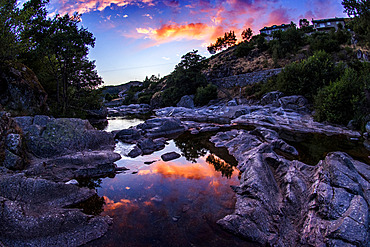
(174, 203)
(220, 165)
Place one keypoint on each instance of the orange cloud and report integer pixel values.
(169, 169)
(174, 32)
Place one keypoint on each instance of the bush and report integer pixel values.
(306, 77)
(205, 94)
(243, 49)
(334, 103)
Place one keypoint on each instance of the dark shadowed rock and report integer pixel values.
(159, 127)
(131, 135)
(170, 156)
(34, 212)
(186, 101)
(271, 98)
(136, 151)
(20, 90)
(53, 137)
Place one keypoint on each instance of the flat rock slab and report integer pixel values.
(170, 156)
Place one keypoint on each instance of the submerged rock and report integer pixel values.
(170, 156)
(288, 203)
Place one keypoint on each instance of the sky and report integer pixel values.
(139, 38)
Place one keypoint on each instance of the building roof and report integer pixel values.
(276, 27)
(329, 20)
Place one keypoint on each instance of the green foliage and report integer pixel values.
(185, 79)
(228, 40)
(247, 34)
(334, 102)
(205, 94)
(243, 49)
(286, 42)
(329, 42)
(307, 76)
(360, 11)
(56, 49)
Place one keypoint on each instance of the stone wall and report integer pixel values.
(243, 80)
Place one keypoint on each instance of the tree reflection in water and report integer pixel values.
(220, 165)
(195, 146)
(192, 147)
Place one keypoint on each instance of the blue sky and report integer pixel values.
(138, 38)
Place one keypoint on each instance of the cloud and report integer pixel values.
(166, 58)
(174, 32)
(149, 16)
(278, 16)
(85, 6)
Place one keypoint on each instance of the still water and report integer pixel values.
(175, 203)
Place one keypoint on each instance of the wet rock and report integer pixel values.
(288, 203)
(186, 101)
(148, 145)
(127, 110)
(136, 151)
(159, 127)
(131, 135)
(368, 127)
(77, 165)
(170, 156)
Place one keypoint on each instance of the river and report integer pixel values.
(175, 203)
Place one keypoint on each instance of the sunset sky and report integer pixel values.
(138, 38)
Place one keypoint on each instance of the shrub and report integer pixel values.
(307, 76)
(335, 102)
(243, 49)
(205, 94)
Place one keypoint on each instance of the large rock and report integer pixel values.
(20, 90)
(47, 137)
(159, 127)
(288, 203)
(12, 149)
(37, 212)
(186, 101)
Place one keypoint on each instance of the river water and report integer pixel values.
(175, 203)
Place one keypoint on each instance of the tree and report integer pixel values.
(228, 40)
(247, 34)
(360, 11)
(303, 23)
(66, 46)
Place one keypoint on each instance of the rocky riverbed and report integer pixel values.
(280, 201)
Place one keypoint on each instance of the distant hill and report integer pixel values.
(114, 90)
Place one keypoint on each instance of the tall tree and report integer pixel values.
(247, 34)
(66, 46)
